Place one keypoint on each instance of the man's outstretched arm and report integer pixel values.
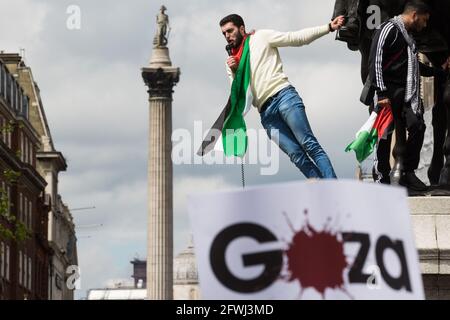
(304, 36)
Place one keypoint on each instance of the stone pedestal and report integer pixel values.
(160, 77)
(431, 223)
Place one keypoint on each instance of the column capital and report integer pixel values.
(160, 81)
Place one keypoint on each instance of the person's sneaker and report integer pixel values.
(379, 177)
(410, 181)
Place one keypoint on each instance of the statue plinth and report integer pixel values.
(160, 57)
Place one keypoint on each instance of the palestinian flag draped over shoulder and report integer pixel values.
(231, 123)
(234, 131)
(379, 125)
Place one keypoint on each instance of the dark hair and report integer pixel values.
(234, 18)
(417, 5)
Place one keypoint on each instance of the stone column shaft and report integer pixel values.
(160, 224)
(160, 81)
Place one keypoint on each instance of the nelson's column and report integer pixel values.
(160, 77)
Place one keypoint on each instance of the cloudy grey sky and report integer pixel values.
(96, 104)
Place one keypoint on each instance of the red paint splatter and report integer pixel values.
(316, 258)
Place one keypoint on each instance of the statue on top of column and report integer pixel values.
(162, 35)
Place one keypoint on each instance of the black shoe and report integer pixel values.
(383, 180)
(410, 181)
(379, 177)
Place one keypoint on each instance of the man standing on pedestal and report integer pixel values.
(281, 108)
(395, 73)
(162, 20)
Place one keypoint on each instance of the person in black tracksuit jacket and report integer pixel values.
(388, 67)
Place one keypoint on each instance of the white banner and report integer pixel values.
(320, 240)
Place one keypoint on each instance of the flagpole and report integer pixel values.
(242, 173)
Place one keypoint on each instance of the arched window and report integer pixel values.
(8, 87)
(25, 104)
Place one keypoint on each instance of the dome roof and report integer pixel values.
(185, 266)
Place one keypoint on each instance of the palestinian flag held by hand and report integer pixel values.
(234, 131)
(379, 125)
(230, 124)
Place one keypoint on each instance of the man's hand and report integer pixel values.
(384, 102)
(232, 63)
(337, 23)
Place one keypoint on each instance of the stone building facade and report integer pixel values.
(28, 138)
(23, 263)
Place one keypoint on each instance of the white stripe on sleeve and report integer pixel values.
(379, 55)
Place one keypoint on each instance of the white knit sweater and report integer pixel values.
(267, 76)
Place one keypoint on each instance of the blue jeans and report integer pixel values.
(285, 114)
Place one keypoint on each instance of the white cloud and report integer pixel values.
(22, 23)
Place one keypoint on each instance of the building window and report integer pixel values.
(8, 190)
(30, 215)
(17, 95)
(30, 153)
(7, 263)
(25, 270)
(22, 142)
(25, 148)
(13, 92)
(20, 206)
(25, 103)
(25, 211)
(20, 267)
(25, 158)
(20, 101)
(8, 88)
(29, 273)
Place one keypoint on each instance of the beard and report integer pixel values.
(238, 41)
